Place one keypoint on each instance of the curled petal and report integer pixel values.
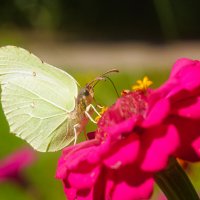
(188, 108)
(187, 72)
(179, 65)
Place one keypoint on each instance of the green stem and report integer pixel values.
(175, 184)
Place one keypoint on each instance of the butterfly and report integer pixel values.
(42, 103)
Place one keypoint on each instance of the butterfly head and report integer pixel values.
(86, 96)
(88, 92)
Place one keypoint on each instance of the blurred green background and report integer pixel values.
(86, 38)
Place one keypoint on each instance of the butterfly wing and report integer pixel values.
(37, 99)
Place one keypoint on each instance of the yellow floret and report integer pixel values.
(142, 85)
(103, 109)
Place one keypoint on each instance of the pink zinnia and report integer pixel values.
(12, 166)
(135, 138)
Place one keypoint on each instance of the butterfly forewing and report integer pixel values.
(37, 99)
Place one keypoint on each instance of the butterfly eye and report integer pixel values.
(86, 93)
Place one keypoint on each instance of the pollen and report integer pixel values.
(103, 109)
(142, 85)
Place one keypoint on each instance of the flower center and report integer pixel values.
(131, 103)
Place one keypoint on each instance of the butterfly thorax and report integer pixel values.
(85, 98)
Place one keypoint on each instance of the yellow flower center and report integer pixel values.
(103, 109)
(142, 85)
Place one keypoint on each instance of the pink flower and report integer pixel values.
(12, 166)
(135, 138)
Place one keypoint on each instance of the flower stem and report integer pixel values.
(174, 182)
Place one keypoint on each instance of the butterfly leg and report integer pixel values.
(91, 106)
(99, 106)
(87, 112)
(88, 115)
(76, 126)
(85, 134)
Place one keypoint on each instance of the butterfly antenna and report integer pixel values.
(109, 71)
(102, 77)
(95, 81)
(106, 77)
(112, 85)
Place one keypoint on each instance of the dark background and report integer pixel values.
(157, 20)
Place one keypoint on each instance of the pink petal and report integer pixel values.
(159, 144)
(70, 193)
(123, 153)
(187, 72)
(196, 146)
(126, 126)
(84, 178)
(189, 108)
(188, 133)
(157, 113)
(15, 162)
(129, 192)
(179, 64)
(74, 155)
(73, 160)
